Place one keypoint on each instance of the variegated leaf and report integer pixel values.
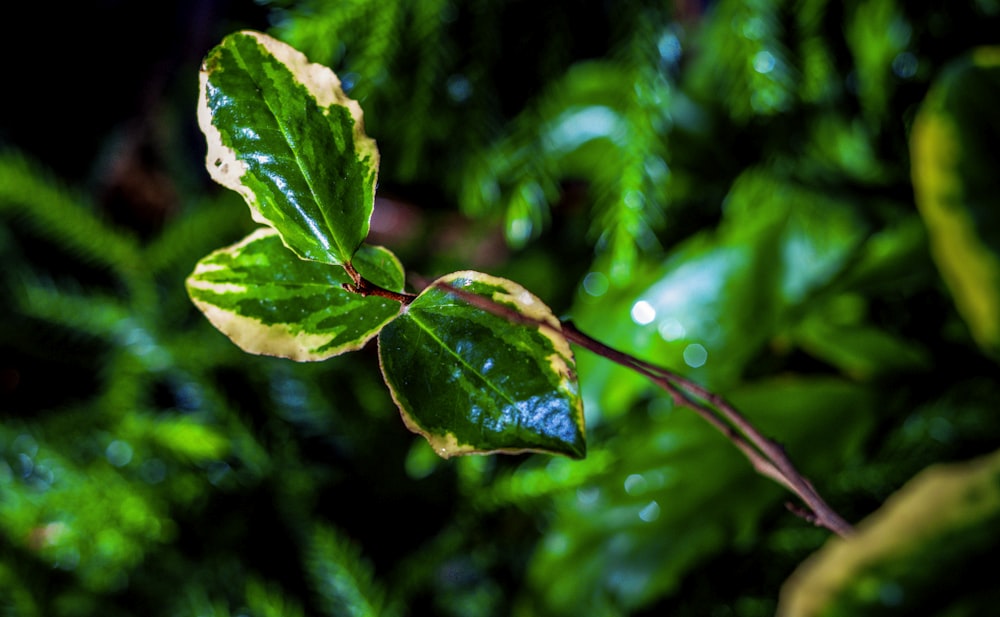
(268, 301)
(956, 185)
(473, 381)
(282, 133)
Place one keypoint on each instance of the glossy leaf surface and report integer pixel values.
(270, 302)
(955, 184)
(471, 381)
(282, 133)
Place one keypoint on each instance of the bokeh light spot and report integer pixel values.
(670, 329)
(763, 62)
(695, 355)
(636, 484)
(904, 65)
(588, 495)
(459, 88)
(595, 284)
(119, 453)
(650, 512)
(643, 313)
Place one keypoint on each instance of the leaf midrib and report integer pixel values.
(460, 359)
(343, 257)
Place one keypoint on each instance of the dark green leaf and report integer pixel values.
(719, 297)
(283, 134)
(471, 381)
(271, 302)
(834, 332)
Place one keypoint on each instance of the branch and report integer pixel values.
(767, 456)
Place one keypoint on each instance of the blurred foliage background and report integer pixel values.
(795, 202)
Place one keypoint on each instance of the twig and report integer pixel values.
(767, 456)
(365, 288)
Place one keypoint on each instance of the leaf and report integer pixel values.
(955, 184)
(718, 298)
(270, 302)
(188, 438)
(919, 554)
(675, 492)
(282, 133)
(471, 381)
(834, 331)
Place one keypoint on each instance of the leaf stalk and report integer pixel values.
(766, 456)
(365, 288)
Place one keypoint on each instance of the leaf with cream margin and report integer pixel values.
(471, 381)
(282, 133)
(268, 301)
(956, 186)
(930, 550)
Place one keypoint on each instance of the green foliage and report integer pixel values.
(343, 580)
(953, 174)
(271, 303)
(511, 387)
(904, 560)
(282, 134)
(783, 250)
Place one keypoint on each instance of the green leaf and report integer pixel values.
(188, 438)
(283, 134)
(270, 302)
(675, 492)
(918, 555)
(718, 298)
(955, 184)
(835, 330)
(471, 381)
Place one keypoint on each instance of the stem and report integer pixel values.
(767, 456)
(365, 288)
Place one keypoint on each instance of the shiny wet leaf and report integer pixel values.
(270, 302)
(282, 133)
(472, 381)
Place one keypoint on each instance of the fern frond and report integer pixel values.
(343, 579)
(816, 60)
(209, 224)
(603, 122)
(530, 483)
(741, 60)
(267, 600)
(358, 37)
(877, 33)
(30, 192)
(426, 26)
(101, 316)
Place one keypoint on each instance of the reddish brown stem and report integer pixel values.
(364, 287)
(767, 456)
